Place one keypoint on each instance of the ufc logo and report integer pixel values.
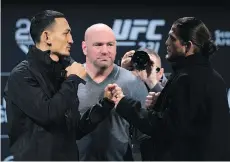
(129, 29)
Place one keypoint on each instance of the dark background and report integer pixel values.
(15, 39)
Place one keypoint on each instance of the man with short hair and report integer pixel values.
(41, 96)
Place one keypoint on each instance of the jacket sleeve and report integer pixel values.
(26, 93)
(92, 117)
(136, 134)
(176, 119)
(130, 110)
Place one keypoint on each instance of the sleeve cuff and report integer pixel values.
(127, 107)
(100, 111)
(76, 79)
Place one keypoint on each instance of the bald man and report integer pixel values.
(111, 139)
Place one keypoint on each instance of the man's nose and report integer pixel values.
(104, 49)
(70, 40)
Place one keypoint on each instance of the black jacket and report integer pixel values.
(146, 142)
(42, 110)
(190, 120)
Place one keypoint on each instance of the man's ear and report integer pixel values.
(46, 37)
(84, 47)
(188, 46)
(160, 73)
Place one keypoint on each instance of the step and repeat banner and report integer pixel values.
(134, 26)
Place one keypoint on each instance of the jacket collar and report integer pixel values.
(40, 59)
(192, 60)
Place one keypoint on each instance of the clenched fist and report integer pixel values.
(114, 93)
(76, 69)
(151, 99)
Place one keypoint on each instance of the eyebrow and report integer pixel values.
(104, 42)
(113, 42)
(67, 30)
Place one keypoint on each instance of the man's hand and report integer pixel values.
(151, 99)
(149, 76)
(126, 60)
(114, 93)
(108, 91)
(76, 69)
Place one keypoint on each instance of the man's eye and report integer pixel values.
(97, 44)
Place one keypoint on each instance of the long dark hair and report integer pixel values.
(194, 30)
